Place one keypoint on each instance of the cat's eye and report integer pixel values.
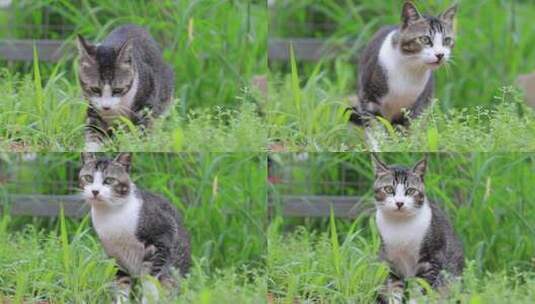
(87, 178)
(448, 41)
(411, 191)
(425, 40)
(95, 90)
(109, 180)
(388, 190)
(117, 91)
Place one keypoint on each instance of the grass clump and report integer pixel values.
(75, 269)
(302, 269)
(310, 115)
(51, 118)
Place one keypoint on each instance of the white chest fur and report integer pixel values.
(402, 238)
(406, 80)
(116, 227)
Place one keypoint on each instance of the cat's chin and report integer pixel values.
(397, 213)
(433, 65)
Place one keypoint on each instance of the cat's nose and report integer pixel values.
(106, 108)
(439, 56)
(95, 192)
(399, 204)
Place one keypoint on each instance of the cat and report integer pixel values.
(417, 239)
(396, 68)
(142, 231)
(125, 75)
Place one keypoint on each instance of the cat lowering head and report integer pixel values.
(399, 191)
(106, 182)
(426, 40)
(107, 75)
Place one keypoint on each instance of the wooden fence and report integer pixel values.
(317, 206)
(46, 205)
(313, 206)
(305, 49)
(22, 50)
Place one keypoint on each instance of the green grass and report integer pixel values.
(76, 270)
(308, 99)
(311, 116)
(302, 269)
(51, 118)
(486, 195)
(221, 198)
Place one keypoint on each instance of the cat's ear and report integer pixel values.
(124, 53)
(449, 14)
(379, 167)
(88, 156)
(409, 14)
(85, 49)
(420, 167)
(124, 159)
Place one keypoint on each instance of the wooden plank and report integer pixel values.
(320, 206)
(47, 205)
(305, 49)
(22, 50)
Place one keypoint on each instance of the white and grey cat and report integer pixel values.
(417, 238)
(124, 75)
(396, 67)
(142, 231)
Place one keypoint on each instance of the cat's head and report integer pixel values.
(399, 191)
(106, 75)
(426, 40)
(105, 181)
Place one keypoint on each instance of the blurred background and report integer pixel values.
(215, 46)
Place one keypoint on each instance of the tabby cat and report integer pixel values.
(125, 75)
(417, 238)
(141, 230)
(396, 68)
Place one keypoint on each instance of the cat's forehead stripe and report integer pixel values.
(400, 176)
(435, 25)
(106, 62)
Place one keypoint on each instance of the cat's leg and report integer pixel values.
(367, 112)
(392, 293)
(143, 119)
(122, 286)
(430, 271)
(156, 268)
(149, 289)
(94, 131)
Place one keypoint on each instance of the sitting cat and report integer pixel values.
(396, 68)
(142, 231)
(125, 75)
(417, 237)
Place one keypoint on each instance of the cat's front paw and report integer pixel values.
(147, 264)
(122, 290)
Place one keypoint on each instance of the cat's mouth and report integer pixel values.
(435, 64)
